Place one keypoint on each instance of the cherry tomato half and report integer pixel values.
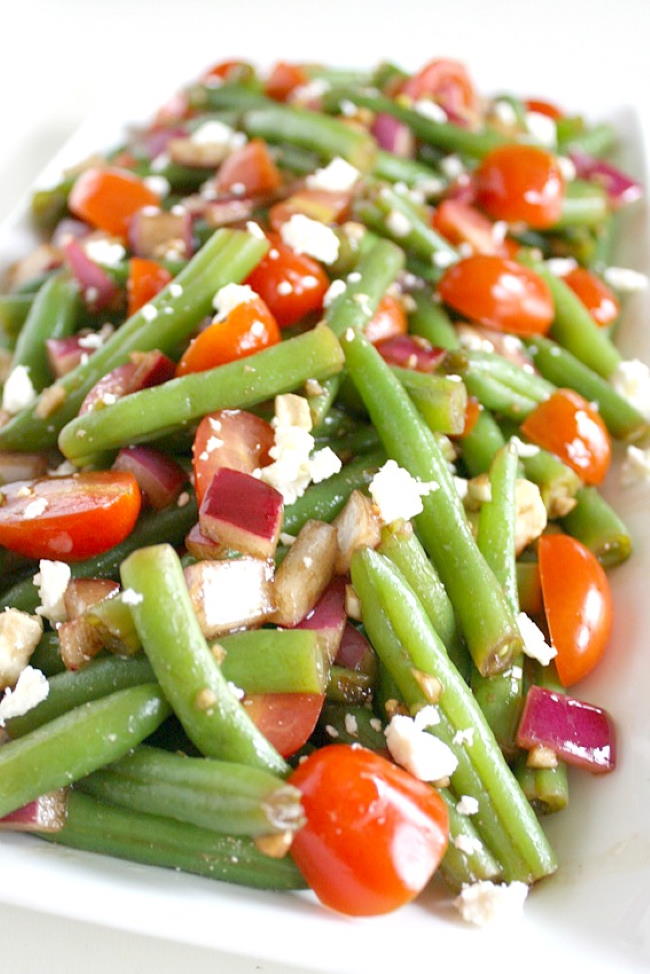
(230, 438)
(292, 285)
(286, 719)
(374, 834)
(388, 320)
(108, 198)
(459, 222)
(249, 171)
(543, 107)
(447, 82)
(599, 300)
(69, 518)
(498, 293)
(249, 328)
(577, 602)
(146, 279)
(568, 426)
(521, 183)
(284, 77)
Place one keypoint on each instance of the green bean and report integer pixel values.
(320, 405)
(364, 728)
(52, 315)
(14, 309)
(273, 661)
(459, 867)
(558, 484)
(296, 160)
(397, 169)
(481, 609)
(431, 321)
(584, 204)
(228, 256)
(46, 657)
(383, 207)
(48, 206)
(493, 394)
(605, 240)
(597, 525)
(480, 445)
(237, 97)
(187, 671)
(597, 140)
(376, 271)
(361, 440)
(80, 741)
(440, 400)
(490, 365)
(349, 687)
(156, 841)
(564, 369)
(245, 382)
(217, 795)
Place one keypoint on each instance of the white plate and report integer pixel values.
(595, 912)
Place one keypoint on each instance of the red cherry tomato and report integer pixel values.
(577, 602)
(569, 427)
(229, 438)
(287, 720)
(459, 222)
(249, 171)
(498, 293)
(146, 279)
(374, 834)
(108, 198)
(249, 328)
(69, 518)
(543, 107)
(447, 82)
(599, 300)
(292, 285)
(284, 77)
(388, 321)
(521, 183)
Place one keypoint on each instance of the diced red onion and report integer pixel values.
(393, 136)
(44, 814)
(579, 733)
(69, 229)
(65, 354)
(97, 287)
(620, 188)
(161, 479)
(144, 370)
(155, 141)
(218, 213)
(202, 547)
(21, 466)
(463, 190)
(328, 617)
(354, 649)
(242, 512)
(411, 352)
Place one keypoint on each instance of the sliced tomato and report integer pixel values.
(230, 71)
(460, 223)
(543, 107)
(146, 279)
(388, 321)
(249, 328)
(284, 77)
(498, 293)
(292, 285)
(229, 438)
(319, 204)
(472, 413)
(567, 425)
(249, 171)
(374, 834)
(287, 720)
(447, 82)
(69, 518)
(577, 602)
(521, 183)
(599, 300)
(108, 198)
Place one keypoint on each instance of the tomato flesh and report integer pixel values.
(599, 300)
(374, 834)
(247, 329)
(108, 198)
(230, 438)
(568, 426)
(578, 605)
(284, 77)
(447, 82)
(287, 720)
(291, 285)
(521, 183)
(458, 222)
(146, 279)
(70, 518)
(388, 321)
(249, 171)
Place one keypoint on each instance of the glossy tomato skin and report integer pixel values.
(291, 285)
(230, 438)
(249, 171)
(374, 834)
(498, 293)
(599, 300)
(388, 321)
(521, 183)
(249, 328)
(108, 198)
(79, 516)
(568, 426)
(146, 279)
(287, 720)
(448, 83)
(578, 605)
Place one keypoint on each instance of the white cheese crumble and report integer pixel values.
(158, 185)
(560, 266)
(625, 279)
(30, 690)
(420, 753)
(149, 312)
(504, 113)
(469, 844)
(19, 636)
(464, 736)
(307, 236)
(486, 902)
(109, 253)
(35, 508)
(218, 133)
(52, 580)
(430, 109)
(18, 392)
(338, 176)
(324, 464)
(427, 716)
(542, 128)
(452, 166)
(567, 168)
(443, 258)
(311, 91)
(467, 805)
(229, 297)
(524, 449)
(636, 466)
(462, 487)
(334, 291)
(175, 289)
(631, 379)
(535, 645)
(351, 725)
(397, 494)
(255, 230)
(398, 224)
(131, 597)
(331, 731)
(236, 691)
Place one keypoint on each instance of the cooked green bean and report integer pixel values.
(431, 321)
(52, 315)
(594, 522)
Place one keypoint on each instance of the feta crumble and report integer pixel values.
(109, 253)
(542, 128)
(149, 312)
(430, 109)
(324, 464)
(18, 392)
(30, 690)
(625, 279)
(158, 185)
(398, 224)
(464, 736)
(334, 291)
(504, 113)
(469, 844)
(255, 230)
(175, 289)
(535, 646)
(307, 236)
(338, 176)
(218, 133)
(131, 597)
(420, 753)
(397, 494)
(636, 466)
(35, 508)
(52, 581)
(452, 166)
(560, 266)
(467, 805)
(486, 902)
(524, 449)
(631, 379)
(443, 258)
(229, 297)
(351, 725)
(427, 716)
(19, 635)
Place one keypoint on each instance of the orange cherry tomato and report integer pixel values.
(284, 77)
(498, 293)
(459, 223)
(568, 426)
(578, 605)
(447, 82)
(108, 198)
(146, 279)
(374, 834)
(69, 518)
(230, 438)
(249, 171)
(388, 321)
(599, 300)
(543, 107)
(521, 183)
(292, 285)
(287, 720)
(249, 328)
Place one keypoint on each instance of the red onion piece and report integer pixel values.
(65, 354)
(160, 233)
(44, 814)
(155, 141)
(462, 189)
(620, 188)
(411, 352)
(579, 733)
(202, 547)
(69, 229)
(328, 617)
(144, 370)
(239, 511)
(393, 136)
(21, 466)
(98, 288)
(161, 479)
(354, 650)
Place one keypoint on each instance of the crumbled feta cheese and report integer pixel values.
(531, 516)
(307, 236)
(338, 176)
(287, 539)
(64, 469)
(398, 224)
(567, 168)
(52, 580)
(331, 731)
(469, 844)
(215, 132)
(351, 725)
(542, 128)
(427, 716)
(625, 279)
(430, 109)
(376, 724)
(311, 91)
(149, 312)
(158, 185)
(294, 467)
(524, 449)
(93, 340)
(636, 466)
(452, 166)
(397, 494)
(631, 380)
(560, 266)
(349, 334)
(229, 297)
(486, 902)
(183, 499)
(175, 289)
(334, 291)
(285, 287)
(423, 755)
(18, 392)
(464, 736)
(131, 597)
(19, 635)
(292, 410)
(354, 277)
(324, 464)
(504, 113)
(160, 162)
(236, 691)
(443, 258)
(461, 486)
(35, 508)
(30, 690)
(535, 645)
(348, 108)
(255, 230)
(103, 251)
(467, 805)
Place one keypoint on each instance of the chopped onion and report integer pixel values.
(69, 229)
(355, 650)
(160, 234)
(98, 288)
(620, 188)
(411, 352)
(21, 466)
(144, 370)
(82, 593)
(327, 618)
(305, 572)
(161, 478)
(393, 136)
(44, 814)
